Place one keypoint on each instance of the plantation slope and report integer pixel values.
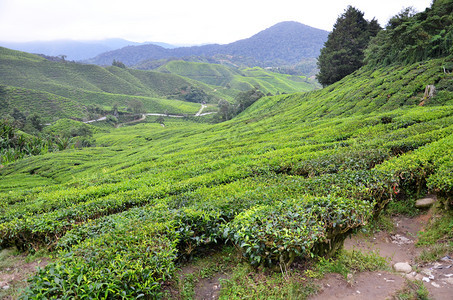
(92, 84)
(48, 106)
(24, 70)
(287, 179)
(219, 75)
(367, 91)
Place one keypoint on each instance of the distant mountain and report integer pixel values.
(285, 43)
(74, 50)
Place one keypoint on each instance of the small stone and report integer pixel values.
(418, 277)
(435, 285)
(5, 287)
(409, 276)
(448, 280)
(425, 202)
(400, 240)
(438, 266)
(402, 267)
(428, 273)
(426, 279)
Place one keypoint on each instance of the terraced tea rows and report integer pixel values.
(287, 179)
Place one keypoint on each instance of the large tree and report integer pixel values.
(410, 37)
(343, 51)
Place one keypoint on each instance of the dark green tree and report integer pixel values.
(35, 121)
(343, 51)
(19, 118)
(225, 110)
(118, 64)
(135, 106)
(410, 37)
(247, 98)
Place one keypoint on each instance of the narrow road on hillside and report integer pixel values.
(143, 117)
(201, 110)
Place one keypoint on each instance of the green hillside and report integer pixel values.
(245, 79)
(83, 85)
(55, 90)
(48, 106)
(22, 70)
(287, 179)
(277, 188)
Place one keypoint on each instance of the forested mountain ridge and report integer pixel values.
(73, 49)
(285, 43)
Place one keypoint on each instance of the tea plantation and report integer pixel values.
(286, 180)
(66, 89)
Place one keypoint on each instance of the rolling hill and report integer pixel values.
(239, 79)
(161, 91)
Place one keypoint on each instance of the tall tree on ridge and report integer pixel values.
(343, 51)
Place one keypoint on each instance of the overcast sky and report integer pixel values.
(176, 21)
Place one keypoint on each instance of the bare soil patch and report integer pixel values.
(209, 288)
(365, 285)
(14, 272)
(397, 246)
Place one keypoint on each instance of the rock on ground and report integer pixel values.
(402, 267)
(425, 202)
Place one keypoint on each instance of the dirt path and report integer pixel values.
(14, 271)
(398, 246)
(143, 117)
(201, 110)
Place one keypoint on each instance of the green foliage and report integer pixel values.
(343, 51)
(413, 290)
(15, 144)
(65, 90)
(410, 37)
(439, 232)
(350, 262)
(239, 80)
(242, 101)
(247, 98)
(276, 234)
(129, 262)
(118, 64)
(257, 284)
(288, 178)
(55, 89)
(135, 106)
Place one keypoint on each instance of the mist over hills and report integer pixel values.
(285, 43)
(74, 50)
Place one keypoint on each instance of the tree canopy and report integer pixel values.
(343, 51)
(410, 37)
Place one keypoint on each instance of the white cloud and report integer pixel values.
(175, 21)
